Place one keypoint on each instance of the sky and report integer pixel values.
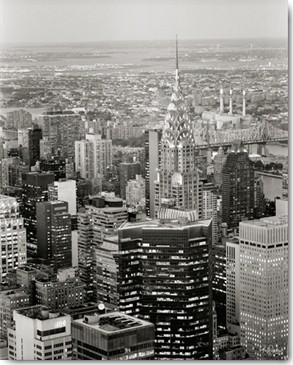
(51, 21)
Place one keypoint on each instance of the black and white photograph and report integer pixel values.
(144, 177)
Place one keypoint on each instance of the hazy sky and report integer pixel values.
(26, 21)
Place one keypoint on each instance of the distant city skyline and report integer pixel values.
(44, 21)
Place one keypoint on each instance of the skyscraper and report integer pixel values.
(165, 278)
(152, 155)
(264, 287)
(35, 189)
(34, 136)
(13, 236)
(54, 233)
(238, 187)
(178, 183)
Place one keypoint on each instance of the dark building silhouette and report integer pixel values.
(34, 136)
(34, 190)
(238, 187)
(165, 278)
(54, 233)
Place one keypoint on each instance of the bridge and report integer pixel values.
(261, 133)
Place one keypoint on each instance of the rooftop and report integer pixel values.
(268, 222)
(112, 322)
(40, 312)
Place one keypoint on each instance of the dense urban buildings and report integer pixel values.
(144, 218)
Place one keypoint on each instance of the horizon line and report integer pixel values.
(136, 40)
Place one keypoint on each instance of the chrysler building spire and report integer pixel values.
(177, 80)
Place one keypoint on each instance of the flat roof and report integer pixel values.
(113, 322)
(269, 221)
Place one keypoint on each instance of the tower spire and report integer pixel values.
(177, 65)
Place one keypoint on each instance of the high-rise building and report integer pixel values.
(93, 156)
(178, 184)
(40, 334)
(55, 165)
(54, 233)
(64, 190)
(264, 287)
(35, 134)
(61, 129)
(219, 160)
(209, 207)
(127, 171)
(152, 163)
(19, 119)
(164, 277)
(13, 236)
(238, 187)
(35, 189)
(233, 285)
(94, 224)
(10, 300)
(112, 336)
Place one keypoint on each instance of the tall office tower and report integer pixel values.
(64, 190)
(34, 190)
(164, 277)
(54, 233)
(93, 156)
(135, 192)
(219, 282)
(152, 154)
(219, 160)
(112, 336)
(127, 171)
(178, 183)
(95, 224)
(55, 294)
(10, 300)
(40, 334)
(238, 187)
(209, 207)
(233, 286)
(13, 236)
(264, 287)
(55, 165)
(35, 134)
(62, 128)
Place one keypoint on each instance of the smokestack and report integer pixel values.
(244, 105)
(230, 106)
(221, 101)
